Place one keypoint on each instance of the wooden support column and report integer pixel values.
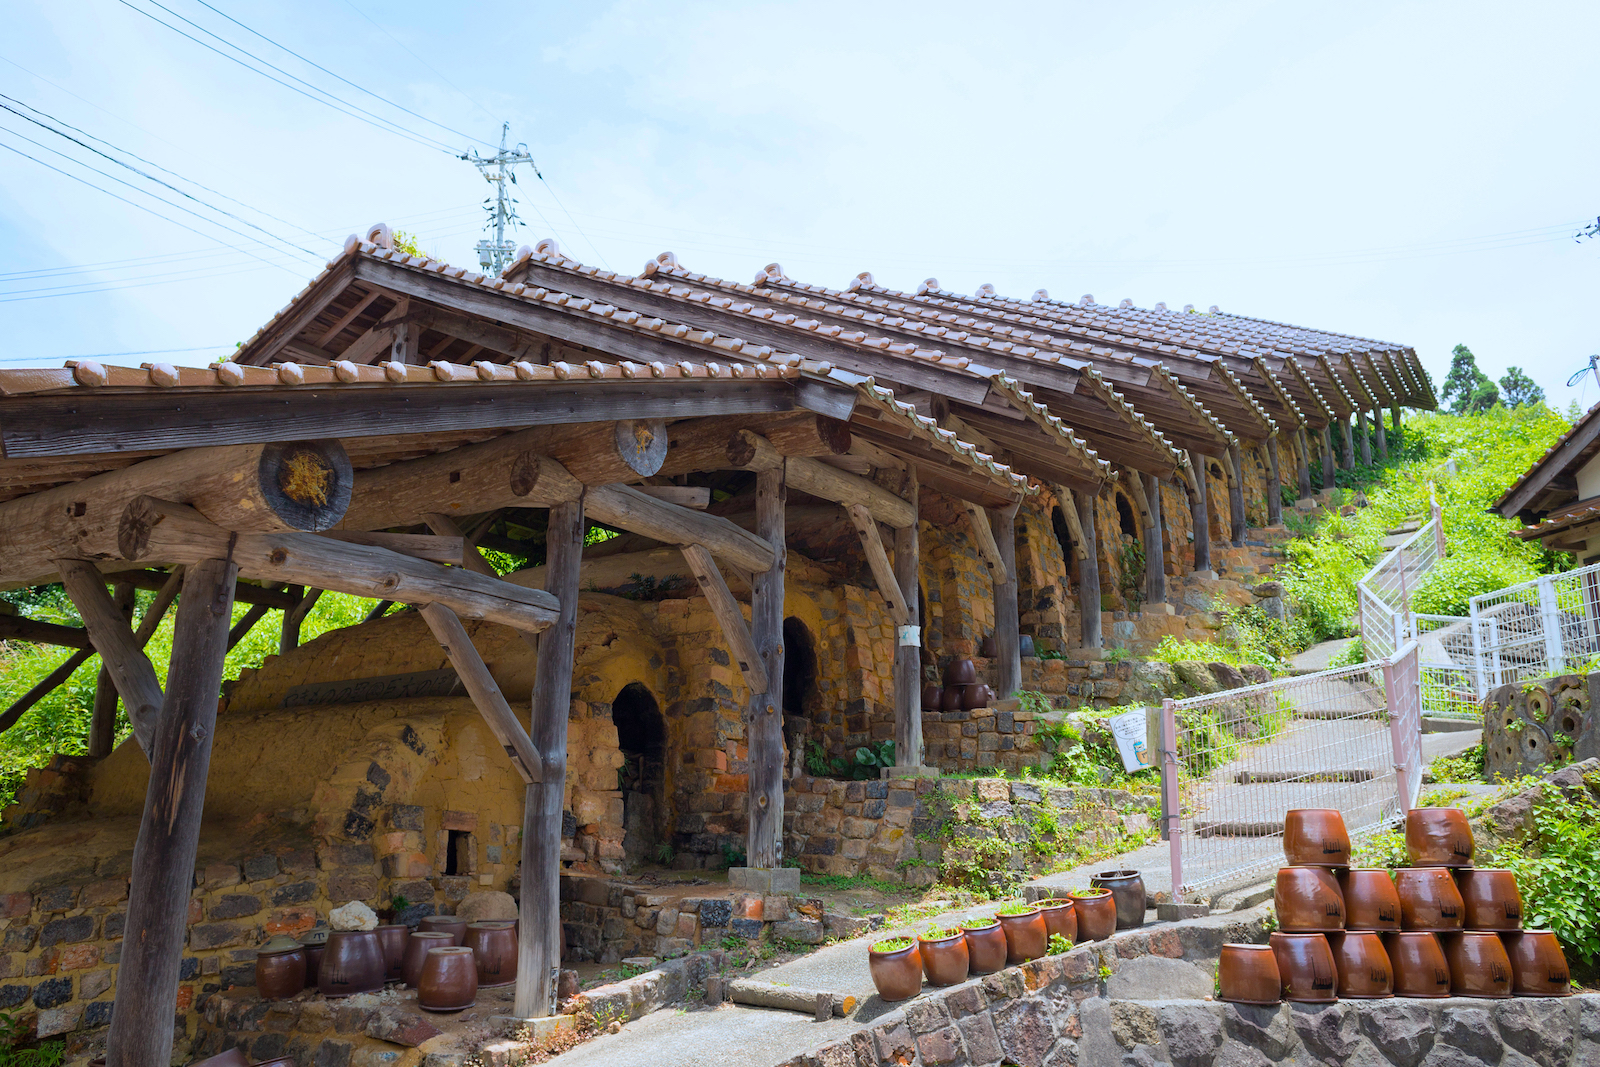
(1274, 484)
(539, 947)
(169, 834)
(1239, 521)
(1155, 549)
(1089, 572)
(295, 617)
(1394, 413)
(103, 719)
(1366, 437)
(1383, 435)
(1302, 462)
(1007, 618)
(1200, 514)
(764, 725)
(1349, 445)
(908, 655)
(1328, 461)
(119, 649)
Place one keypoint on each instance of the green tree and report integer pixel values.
(1466, 388)
(1517, 389)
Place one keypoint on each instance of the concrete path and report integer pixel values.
(1317, 657)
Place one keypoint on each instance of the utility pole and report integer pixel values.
(494, 256)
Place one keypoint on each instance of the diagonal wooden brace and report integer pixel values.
(120, 651)
(878, 561)
(728, 614)
(485, 693)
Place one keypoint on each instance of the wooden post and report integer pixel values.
(908, 654)
(1366, 438)
(1383, 435)
(764, 724)
(1274, 484)
(1155, 549)
(1394, 412)
(1349, 445)
(1089, 573)
(1302, 462)
(1200, 513)
(1240, 522)
(539, 948)
(1007, 618)
(169, 834)
(1328, 462)
(103, 719)
(118, 646)
(289, 639)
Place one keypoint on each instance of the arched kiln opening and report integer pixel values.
(642, 738)
(799, 666)
(1125, 517)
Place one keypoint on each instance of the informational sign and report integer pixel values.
(385, 687)
(1132, 731)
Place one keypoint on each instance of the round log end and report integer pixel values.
(307, 484)
(524, 473)
(835, 433)
(741, 448)
(642, 444)
(133, 529)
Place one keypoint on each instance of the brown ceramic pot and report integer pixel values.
(987, 648)
(944, 959)
(896, 974)
(392, 938)
(1315, 837)
(1491, 899)
(1438, 837)
(417, 946)
(1308, 900)
(986, 947)
(961, 672)
(233, 1057)
(951, 700)
(1417, 958)
(1371, 901)
(281, 974)
(932, 697)
(1429, 899)
(1127, 889)
(277, 1061)
(1248, 974)
(494, 943)
(1363, 965)
(1538, 966)
(352, 963)
(1060, 917)
(456, 928)
(1027, 936)
(449, 980)
(1305, 963)
(1479, 966)
(1097, 914)
(315, 942)
(976, 696)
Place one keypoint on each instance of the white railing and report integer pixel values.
(1234, 763)
(1384, 594)
(1547, 626)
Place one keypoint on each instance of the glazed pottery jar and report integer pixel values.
(1538, 966)
(352, 963)
(952, 698)
(315, 942)
(1248, 974)
(233, 1057)
(976, 696)
(1315, 837)
(1305, 963)
(1363, 965)
(1371, 901)
(1027, 937)
(1308, 900)
(987, 648)
(449, 980)
(1438, 837)
(1060, 917)
(932, 697)
(986, 946)
(896, 969)
(961, 672)
(494, 943)
(456, 928)
(1417, 958)
(1127, 890)
(1491, 899)
(1097, 914)
(1479, 966)
(393, 940)
(417, 946)
(280, 968)
(944, 959)
(1429, 899)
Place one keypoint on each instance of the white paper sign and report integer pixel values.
(1131, 729)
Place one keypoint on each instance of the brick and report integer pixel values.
(294, 893)
(60, 931)
(77, 957)
(466, 821)
(220, 875)
(235, 906)
(259, 868)
(52, 992)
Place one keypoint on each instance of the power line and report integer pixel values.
(383, 30)
(58, 86)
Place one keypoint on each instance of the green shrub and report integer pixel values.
(1558, 871)
(1467, 767)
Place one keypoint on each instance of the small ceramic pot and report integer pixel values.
(449, 980)
(1305, 963)
(456, 928)
(352, 963)
(1429, 899)
(1248, 974)
(1097, 914)
(1027, 936)
(1315, 837)
(1538, 966)
(1438, 837)
(987, 648)
(393, 941)
(932, 697)
(1308, 900)
(1060, 917)
(976, 696)
(280, 969)
(1025, 649)
(944, 960)
(1371, 901)
(494, 943)
(233, 1057)
(1420, 969)
(1127, 889)
(897, 974)
(961, 672)
(417, 946)
(1363, 965)
(986, 947)
(1479, 966)
(952, 697)
(315, 942)
(1491, 899)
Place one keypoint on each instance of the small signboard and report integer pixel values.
(1132, 731)
(438, 683)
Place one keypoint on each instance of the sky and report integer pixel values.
(1413, 172)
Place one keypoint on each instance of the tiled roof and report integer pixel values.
(1542, 471)
(1573, 515)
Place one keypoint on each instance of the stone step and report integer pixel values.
(1264, 777)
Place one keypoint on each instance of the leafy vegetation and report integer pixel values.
(15, 1031)
(893, 944)
(865, 763)
(1558, 870)
(1467, 767)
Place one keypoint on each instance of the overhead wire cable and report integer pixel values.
(384, 30)
(62, 88)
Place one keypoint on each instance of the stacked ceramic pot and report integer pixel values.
(962, 690)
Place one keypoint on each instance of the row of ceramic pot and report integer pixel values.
(1318, 900)
(446, 960)
(1365, 965)
(1435, 837)
(956, 697)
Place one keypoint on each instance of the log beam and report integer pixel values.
(1349, 445)
(438, 548)
(43, 688)
(103, 717)
(119, 650)
(295, 617)
(908, 641)
(625, 507)
(983, 538)
(485, 692)
(18, 628)
(827, 482)
(1200, 514)
(1274, 484)
(1007, 619)
(728, 614)
(878, 562)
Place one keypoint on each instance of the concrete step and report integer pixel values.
(1439, 725)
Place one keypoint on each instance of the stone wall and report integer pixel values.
(1530, 726)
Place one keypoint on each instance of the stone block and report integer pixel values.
(15, 905)
(716, 912)
(258, 868)
(220, 875)
(103, 893)
(52, 992)
(60, 931)
(59, 1020)
(215, 935)
(466, 821)
(77, 957)
(749, 929)
(93, 984)
(400, 1027)
(235, 905)
(805, 931)
(759, 880)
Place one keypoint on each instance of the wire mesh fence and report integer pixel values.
(1547, 626)
(1384, 594)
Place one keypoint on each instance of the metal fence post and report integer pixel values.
(1550, 615)
(1172, 811)
(1482, 688)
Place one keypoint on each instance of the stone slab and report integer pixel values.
(785, 880)
(909, 772)
(538, 1028)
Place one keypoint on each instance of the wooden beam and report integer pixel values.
(1089, 574)
(1007, 617)
(716, 444)
(822, 480)
(438, 548)
(764, 733)
(1241, 521)
(1200, 513)
(983, 539)
(157, 529)
(103, 716)
(1274, 484)
(728, 614)
(18, 628)
(878, 562)
(1155, 552)
(169, 832)
(1328, 463)
(485, 693)
(468, 556)
(626, 508)
(908, 641)
(119, 650)
(294, 618)
(246, 623)
(697, 497)
(1069, 512)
